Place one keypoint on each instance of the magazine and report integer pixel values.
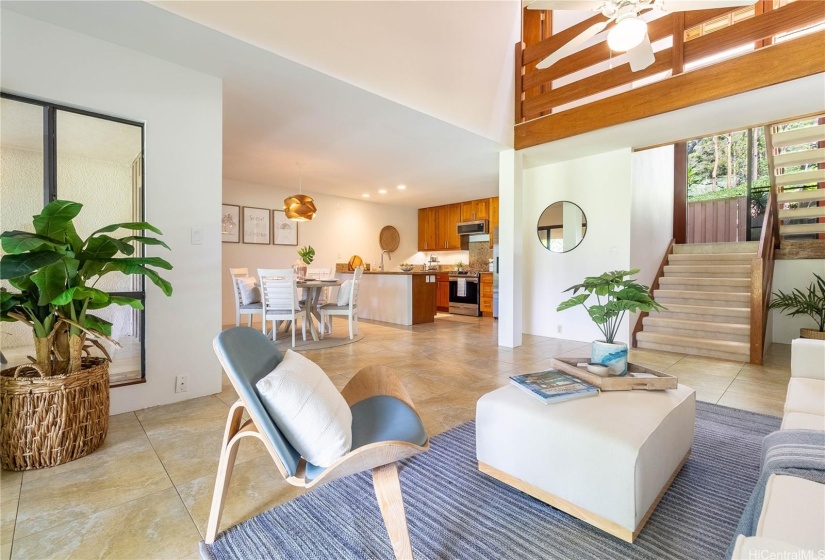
(553, 386)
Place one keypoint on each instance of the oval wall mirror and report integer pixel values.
(562, 227)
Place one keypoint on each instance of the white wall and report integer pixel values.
(342, 227)
(182, 110)
(788, 275)
(601, 186)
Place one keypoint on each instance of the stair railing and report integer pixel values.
(653, 287)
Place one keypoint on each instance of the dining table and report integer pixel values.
(314, 289)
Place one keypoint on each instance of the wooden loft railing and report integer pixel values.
(538, 95)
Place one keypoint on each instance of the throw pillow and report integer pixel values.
(343, 293)
(250, 293)
(308, 409)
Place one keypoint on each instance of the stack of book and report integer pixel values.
(553, 386)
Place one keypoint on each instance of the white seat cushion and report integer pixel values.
(794, 512)
(805, 395)
(808, 358)
(803, 421)
(344, 293)
(308, 409)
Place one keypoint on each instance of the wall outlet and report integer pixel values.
(558, 329)
(181, 383)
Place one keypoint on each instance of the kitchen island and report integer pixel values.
(401, 298)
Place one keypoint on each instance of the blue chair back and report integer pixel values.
(248, 356)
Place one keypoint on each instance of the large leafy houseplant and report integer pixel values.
(56, 271)
(616, 294)
(810, 302)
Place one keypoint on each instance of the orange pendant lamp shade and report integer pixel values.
(299, 207)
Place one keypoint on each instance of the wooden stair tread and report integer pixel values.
(728, 346)
(797, 136)
(801, 213)
(800, 178)
(696, 325)
(716, 248)
(803, 157)
(807, 195)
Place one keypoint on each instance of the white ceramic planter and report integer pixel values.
(614, 356)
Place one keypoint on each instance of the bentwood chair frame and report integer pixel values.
(246, 357)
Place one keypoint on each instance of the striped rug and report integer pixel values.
(454, 511)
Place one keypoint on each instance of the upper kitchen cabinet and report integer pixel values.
(447, 218)
(493, 213)
(427, 229)
(473, 210)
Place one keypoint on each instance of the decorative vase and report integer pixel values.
(614, 356)
(812, 333)
(300, 269)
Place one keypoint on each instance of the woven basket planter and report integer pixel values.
(812, 333)
(48, 421)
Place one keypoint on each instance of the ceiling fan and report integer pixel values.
(630, 32)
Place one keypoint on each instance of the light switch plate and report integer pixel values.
(197, 236)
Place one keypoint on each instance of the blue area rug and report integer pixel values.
(454, 511)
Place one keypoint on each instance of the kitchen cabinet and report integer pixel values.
(442, 292)
(485, 303)
(493, 217)
(447, 217)
(427, 230)
(473, 210)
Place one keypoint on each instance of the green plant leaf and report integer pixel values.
(53, 221)
(134, 303)
(120, 266)
(16, 266)
(144, 261)
(598, 313)
(51, 281)
(128, 225)
(16, 242)
(97, 325)
(103, 247)
(573, 302)
(145, 240)
(74, 239)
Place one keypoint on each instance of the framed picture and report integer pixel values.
(256, 225)
(285, 230)
(230, 223)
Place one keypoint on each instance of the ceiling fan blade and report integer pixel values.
(688, 5)
(580, 5)
(641, 56)
(570, 47)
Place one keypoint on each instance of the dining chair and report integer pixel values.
(280, 301)
(386, 428)
(249, 309)
(350, 310)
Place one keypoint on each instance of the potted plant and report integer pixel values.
(811, 303)
(459, 266)
(307, 255)
(616, 294)
(55, 272)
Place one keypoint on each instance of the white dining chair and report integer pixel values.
(249, 309)
(350, 310)
(320, 273)
(280, 301)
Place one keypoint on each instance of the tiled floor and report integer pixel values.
(146, 493)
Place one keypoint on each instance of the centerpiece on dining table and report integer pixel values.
(307, 255)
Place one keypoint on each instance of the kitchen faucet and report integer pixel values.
(389, 256)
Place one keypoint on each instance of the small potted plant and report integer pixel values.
(306, 255)
(459, 266)
(810, 302)
(55, 272)
(616, 294)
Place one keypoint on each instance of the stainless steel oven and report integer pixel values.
(464, 294)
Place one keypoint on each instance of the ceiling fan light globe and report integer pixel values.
(628, 32)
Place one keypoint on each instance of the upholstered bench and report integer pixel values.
(606, 460)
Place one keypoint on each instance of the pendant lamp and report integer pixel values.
(299, 207)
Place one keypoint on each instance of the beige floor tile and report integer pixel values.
(703, 380)
(156, 526)
(774, 391)
(653, 359)
(194, 555)
(5, 551)
(255, 487)
(708, 366)
(183, 414)
(50, 501)
(708, 395)
(8, 515)
(774, 407)
(779, 374)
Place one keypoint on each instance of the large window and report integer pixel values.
(50, 152)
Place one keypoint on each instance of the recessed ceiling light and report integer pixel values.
(366, 195)
(382, 191)
(402, 187)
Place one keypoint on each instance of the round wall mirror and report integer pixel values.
(562, 227)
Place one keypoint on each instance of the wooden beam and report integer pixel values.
(787, 18)
(772, 65)
(678, 58)
(534, 53)
(519, 116)
(597, 83)
(695, 17)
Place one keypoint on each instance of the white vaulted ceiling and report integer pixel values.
(365, 95)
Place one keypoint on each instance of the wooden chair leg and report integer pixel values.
(388, 492)
(227, 461)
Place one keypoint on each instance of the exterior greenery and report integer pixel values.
(307, 254)
(810, 302)
(620, 293)
(56, 271)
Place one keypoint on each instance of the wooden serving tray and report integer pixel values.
(661, 382)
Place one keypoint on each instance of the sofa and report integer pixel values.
(792, 519)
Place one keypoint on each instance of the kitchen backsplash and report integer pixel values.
(480, 255)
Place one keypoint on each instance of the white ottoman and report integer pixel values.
(606, 460)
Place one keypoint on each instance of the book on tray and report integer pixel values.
(554, 386)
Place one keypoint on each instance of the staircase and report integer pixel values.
(796, 155)
(706, 289)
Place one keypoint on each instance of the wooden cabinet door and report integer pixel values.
(468, 211)
(427, 229)
(485, 303)
(453, 217)
(422, 229)
(441, 227)
(493, 212)
(443, 292)
(481, 209)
